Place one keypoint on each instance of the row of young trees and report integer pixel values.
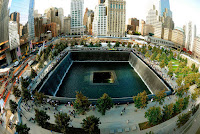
(81, 104)
(89, 124)
(141, 100)
(156, 115)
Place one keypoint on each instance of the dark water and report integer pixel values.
(127, 82)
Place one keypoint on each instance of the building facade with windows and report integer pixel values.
(100, 21)
(196, 50)
(76, 14)
(31, 31)
(116, 17)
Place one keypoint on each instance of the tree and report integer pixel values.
(162, 64)
(41, 117)
(178, 106)
(158, 57)
(198, 83)
(194, 96)
(24, 83)
(62, 121)
(160, 97)
(51, 56)
(109, 45)
(168, 111)
(91, 124)
(26, 94)
(170, 65)
(33, 73)
(117, 44)
(141, 100)
(153, 115)
(91, 44)
(16, 92)
(177, 71)
(129, 45)
(39, 97)
(183, 118)
(185, 102)
(41, 63)
(179, 81)
(185, 71)
(81, 104)
(193, 67)
(22, 129)
(123, 44)
(37, 57)
(150, 47)
(104, 103)
(42, 57)
(170, 72)
(147, 54)
(13, 106)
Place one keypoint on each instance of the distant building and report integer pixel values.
(77, 17)
(163, 5)
(155, 20)
(116, 17)
(13, 35)
(36, 14)
(15, 16)
(52, 27)
(38, 27)
(101, 1)
(196, 50)
(5, 55)
(100, 21)
(56, 15)
(190, 33)
(67, 25)
(141, 27)
(31, 31)
(87, 14)
(132, 24)
(178, 37)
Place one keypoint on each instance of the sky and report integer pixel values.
(183, 10)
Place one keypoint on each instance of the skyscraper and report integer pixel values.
(15, 16)
(100, 21)
(77, 17)
(155, 20)
(116, 17)
(190, 33)
(163, 5)
(31, 31)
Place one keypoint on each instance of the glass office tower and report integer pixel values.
(163, 4)
(31, 32)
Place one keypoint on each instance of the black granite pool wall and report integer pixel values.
(100, 56)
(151, 79)
(51, 84)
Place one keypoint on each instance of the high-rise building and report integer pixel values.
(77, 17)
(100, 21)
(101, 1)
(190, 33)
(89, 24)
(141, 27)
(178, 37)
(155, 20)
(31, 31)
(133, 23)
(67, 25)
(197, 48)
(87, 14)
(164, 4)
(15, 16)
(5, 55)
(56, 15)
(13, 35)
(116, 17)
(38, 27)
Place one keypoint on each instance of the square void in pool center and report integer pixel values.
(91, 78)
(104, 77)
